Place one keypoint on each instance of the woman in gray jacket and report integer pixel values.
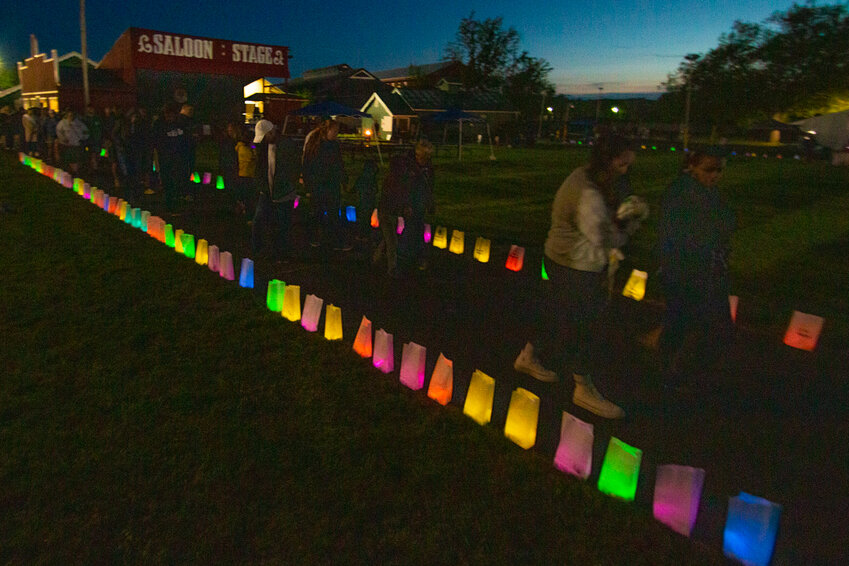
(585, 233)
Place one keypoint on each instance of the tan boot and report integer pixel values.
(587, 396)
(528, 363)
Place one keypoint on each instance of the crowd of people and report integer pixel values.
(591, 220)
(592, 217)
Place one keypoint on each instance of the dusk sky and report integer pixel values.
(622, 46)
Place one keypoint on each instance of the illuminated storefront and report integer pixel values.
(149, 68)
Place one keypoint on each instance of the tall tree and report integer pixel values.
(486, 49)
(8, 76)
(794, 60)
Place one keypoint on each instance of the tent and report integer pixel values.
(831, 130)
(326, 108)
(457, 115)
(329, 108)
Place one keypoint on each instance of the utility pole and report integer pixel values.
(86, 99)
(541, 110)
(686, 132)
(598, 104)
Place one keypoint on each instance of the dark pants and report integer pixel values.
(326, 224)
(279, 214)
(700, 312)
(569, 324)
(411, 243)
(174, 176)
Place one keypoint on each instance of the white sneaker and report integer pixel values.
(528, 363)
(587, 396)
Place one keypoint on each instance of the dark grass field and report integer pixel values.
(155, 413)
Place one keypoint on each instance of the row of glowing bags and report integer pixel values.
(752, 522)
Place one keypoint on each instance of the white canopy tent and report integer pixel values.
(830, 130)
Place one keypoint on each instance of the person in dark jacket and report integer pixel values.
(277, 173)
(172, 144)
(366, 189)
(324, 177)
(694, 235)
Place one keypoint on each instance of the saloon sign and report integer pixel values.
(191, 54)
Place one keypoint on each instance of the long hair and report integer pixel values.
(604, 151)
(314, 141)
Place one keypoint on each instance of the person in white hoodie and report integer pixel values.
(70, 133)
(584, 238)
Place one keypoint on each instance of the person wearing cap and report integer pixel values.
(277, 172)
(694, 239)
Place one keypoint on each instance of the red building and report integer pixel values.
(148, 68)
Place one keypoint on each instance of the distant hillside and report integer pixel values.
(654, 95)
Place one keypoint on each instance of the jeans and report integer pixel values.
(326, 224)
(276, 213)
(569, 322)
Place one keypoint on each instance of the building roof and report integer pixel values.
(340, 83)
(97, 78)
(394, 102)
(434, 99)
(402, 73)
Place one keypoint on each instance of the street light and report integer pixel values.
(615, 110)
(598, 103)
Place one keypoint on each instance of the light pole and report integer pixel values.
(566, 121)
(541, 110)
(692, 59)
(598, 103)
(85, 54)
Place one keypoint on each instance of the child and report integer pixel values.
(247, 169)
(366, 189)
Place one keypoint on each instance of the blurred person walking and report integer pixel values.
(71, 134)
(694, 239)
(581, 241)
(172, 145)
(324, 175)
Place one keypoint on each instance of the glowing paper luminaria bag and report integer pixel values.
(522, 418)
(457, 242)
(478, 405)
(677, 492)
(333, 323)
(635, 288)
(312, 312)
(575, 450)
(246, 274)
(413, 359)
(384, 352)
(362, 343)
(482, 246)
(442, 381)
(620, 470)
(751, 529)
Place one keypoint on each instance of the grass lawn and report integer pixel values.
(789, 252)
(151, 412)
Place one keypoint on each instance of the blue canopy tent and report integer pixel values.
(451, 115)
(329, 108)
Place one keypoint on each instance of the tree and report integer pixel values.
(486, 49)
(8, 77)
(492, 60)
(527, 82)
(794, 60)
